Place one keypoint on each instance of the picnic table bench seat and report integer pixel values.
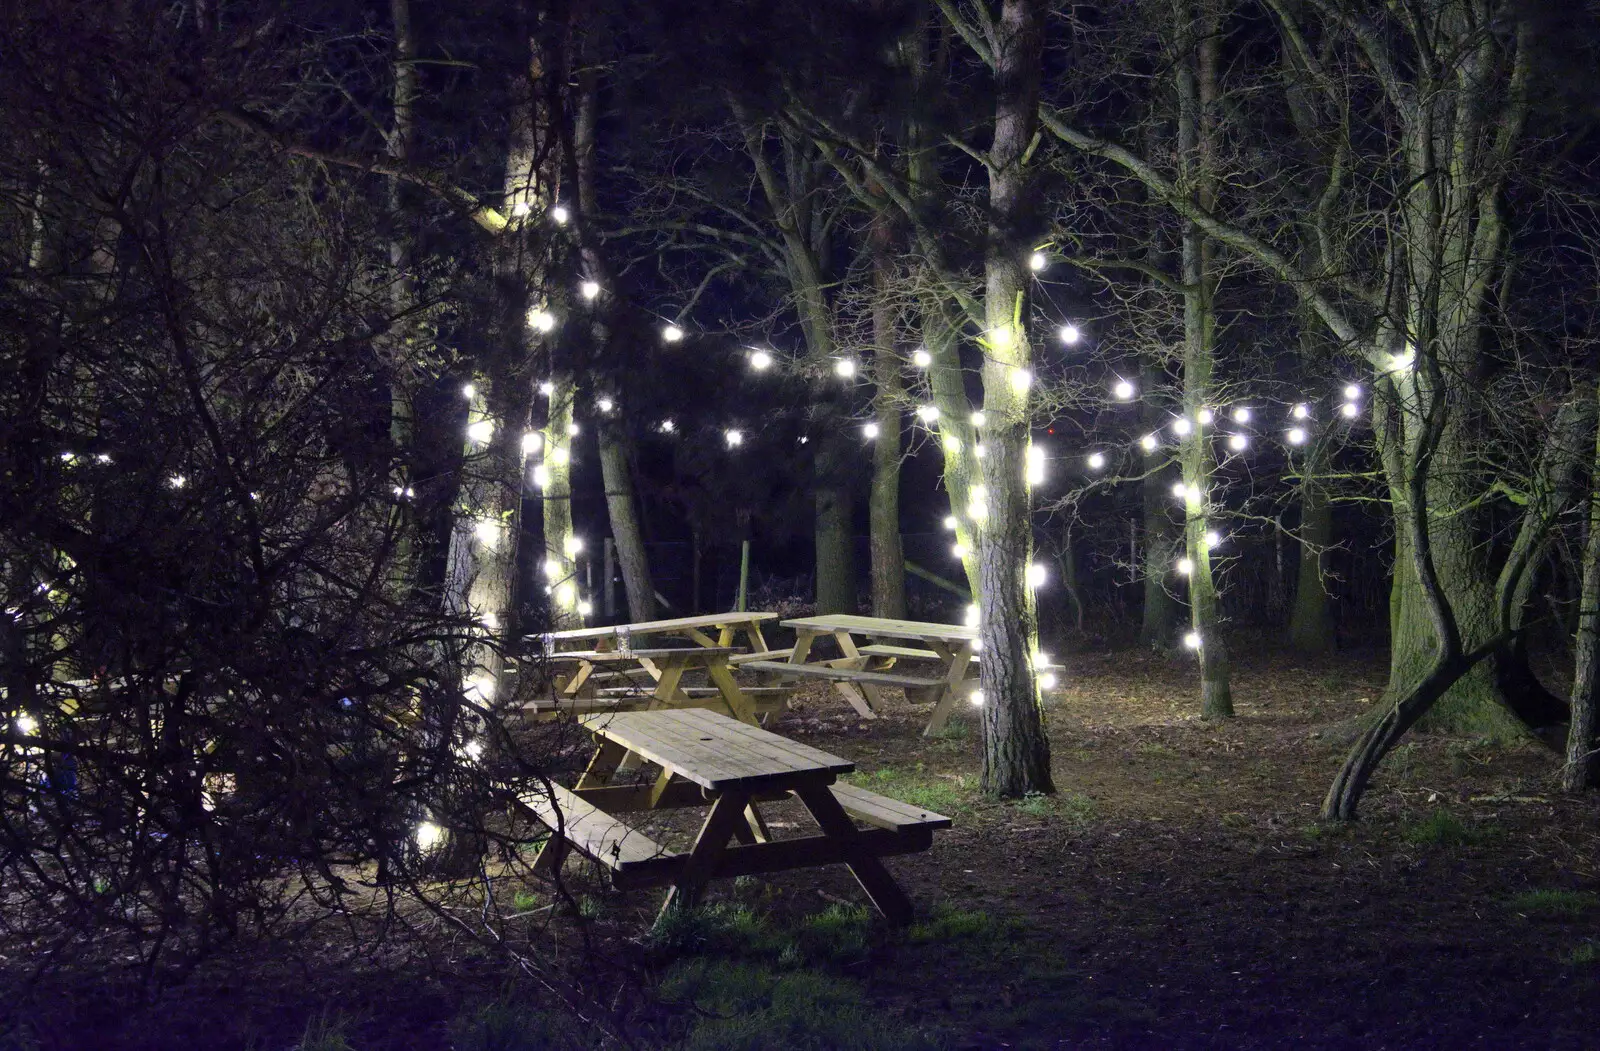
(762, 655)
(784, 669)
(884, 812)
(593, 833)
(910, 653)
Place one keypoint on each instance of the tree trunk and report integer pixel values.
(888, 554)
(1016, 752)
(402, 424)
(835, 542)
(1582, 771)
(559, 565)
(1310, 625)
(957, 436)
(1159, 614)
(625, 527)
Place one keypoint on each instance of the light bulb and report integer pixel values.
(975, 698)
(572, 430)
(573, 546)
(487, 530)
(481, 431)
(1097, 461)
(1038, 261)
(1241, 414)
(1021, 380)
(567, 595)
(177, 481)
(589, 290)
(1300, 411)
(869, 430)
(950, 522)
(521, 209)
(1181, 426)
(760, 360)
(1150, 443)
(1034, 467)
(585, 607)
(1206, 417)
(541, 319)
(541, 477)
(428, 835)
(927, 413)
(1185, 566)
(1048, 681)
(952, 444)
(26, 725)
(979, 449)
(1123, 390)
(547, 388)
(921, 358)
(1180, 490)
(1296, 436)
(667, 427)
(1403, 361)
(605, 405)
(1212, 538)
(671, 333)
(733, 438)
(958, 549)
(560, 214)
(1037, 574)
(1352, 391)
(844, 368)
(1239, 443)
(468, 391)
(532, 442)
(1069, 334)
(972, 615)
(979, 419)
(1350, 410)
(559, 455)
(1192, 640)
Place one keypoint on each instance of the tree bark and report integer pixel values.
(1310, 625)
(625, 527)
(1159, 615)
(1016, 751)
(834, 536)
(1582, 770)
(888, 553)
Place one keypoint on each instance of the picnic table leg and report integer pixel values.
(727, 814)
(868, 869)
(740, 705)
(752, 635)
(665, 695)
(955, 675)
(700, 638)
(869, 694)
(571, 687)
(803, 638)
(602, 765)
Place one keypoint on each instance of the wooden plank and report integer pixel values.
(760, 655)
(657, 653)
(882, 627)
(817, 671)
(715, 751)
(659, 627)
(592, 832)
(884, 812)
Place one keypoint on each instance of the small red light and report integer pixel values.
(1049, 430)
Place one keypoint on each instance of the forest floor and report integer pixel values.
(1177, 892)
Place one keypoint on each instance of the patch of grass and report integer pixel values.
(325, 1032)
(1153, 750)
(952, 924)
(754, 1008)
(1547, 901)
(837, 934)
(507, 1025)
(1401, 762)
(1443, 829)
(952, 730)
(720, 927)
(1074, 808)
(524, 901)
(1585, 955)
(920, 787)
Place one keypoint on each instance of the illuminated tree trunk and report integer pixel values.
(1582, 769)
(953, 428)
(888, 555)
(1016, 752)
(1310, 625)
(625, 528)
(1159, 614)
(560, 565)
(834, 535)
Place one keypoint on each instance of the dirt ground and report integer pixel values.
(1178, 893)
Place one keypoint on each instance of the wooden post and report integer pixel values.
(609, 556)
(744, 577)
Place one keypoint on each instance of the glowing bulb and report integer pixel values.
(541, 319)
(1192, 640)
(429, 835)
(541, 477)
(481, 432)
(978, 503)
(521, 209)
(1185, 566)
(567, 595)
(921, 358)
(733, 438)
(1300, 411)
(1212, 538)
(760, 360)
(1038, 261)
(572, 430)
(468, 391)
(585, 607)
(952, 444)
(972, 615)
(1048, 681)
(1352, 391)
(927, 413)
(177, 481)
(560, 214)
(1097, 461)
(671, 334)
(559, 455)
(1296, 436)
(950, 522)
(532, 442)
(605, 405)
(547, 388)
(401, 492)
(573, 546)
(102, 457)
(479, 688)
(473, 750)
(979, 419)
(869, 430)
(1002, 338)
(1206, 417)
(487, 530)
(27, 725)
(844, 368)
(1021, 380)
(1069, 334)
(1239, 443)
(1180, 490)
(589, 290)
(1150, 442)
(1123, 390)
(1037, 575)
(975, 698)
(1350, 410)
(959, 550)
(1181, 426)
(667, 426)
(1241, 414)
(979, 450)
(1403, 361)
(1034, 468)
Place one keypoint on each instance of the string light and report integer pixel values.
(1301, 411)
(978, 419)
(950, 522)
(560, 214)
(671, 333)
(1212, 539)
(473, 750)
(1180, 490)
(975, 698)
(468, 391)
(1352, 391)
(1241, 414)
(1350, 410)
(979, 450)
(1296, 436)
(547, 388)
(479, 689)
(760, 360)
(1097, 460)
(1123, 390)
(1239, 443)
(481, 432)
(1038, 261)
(978, 503)
(532, 442)
(559, 455)
(667, 426)
(844, 368)
(1035, 464)
(921, 358)
(573, 546)
(1037, 574)
(566, 594)
(102, 457)
(401, 492)
(869, 430)
(1185, 566)
(1069, 334)
(541, 477)
(26, 725)
(1404, 361)
(521, 209)
(428, 836)
(973, 615)
(1181, 426)
(1021, 380)
(958, 549)
(1048, 680)
(589, 290)
(177, 481)
(1191, 641)
(572, 430)
(927, 413)
(952, 445)
(605, 405)
(1150, 442)
(541, 319)
(1206, 417)
(734, 438)
(487, 530)
(585, 608)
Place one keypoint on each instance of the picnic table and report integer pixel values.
(728, 627)
(705, 757)
(666, 667)
(948, 650)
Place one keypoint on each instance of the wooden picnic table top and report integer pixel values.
(660, 653)
(716, 752)
(882, 627)
(660, 627)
